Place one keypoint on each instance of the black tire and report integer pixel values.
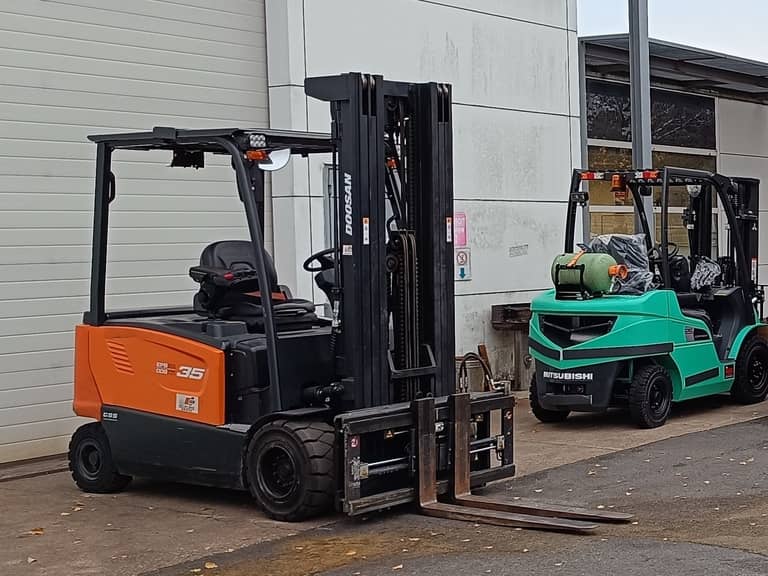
(751, 383)
(91, 463)
(650, 396)
(544, 415)
(290, 469)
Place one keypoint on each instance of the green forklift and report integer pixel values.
(634, 324)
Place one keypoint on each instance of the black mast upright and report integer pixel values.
(357, 106)
(394, 144)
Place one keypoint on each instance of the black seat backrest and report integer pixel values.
(235, 255)
(680, 274)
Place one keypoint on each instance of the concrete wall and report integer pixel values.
(743, 151)
(513, 67)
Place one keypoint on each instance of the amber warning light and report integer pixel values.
(257, 155)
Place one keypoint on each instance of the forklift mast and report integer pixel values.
(393, 200)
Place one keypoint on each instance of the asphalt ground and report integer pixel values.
(47, 526)
(700, 500)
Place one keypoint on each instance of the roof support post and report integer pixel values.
(640, 97)
(586, 219)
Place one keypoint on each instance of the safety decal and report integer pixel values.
(186, 403)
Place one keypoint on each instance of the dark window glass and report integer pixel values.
(608, 111)
(676, 119)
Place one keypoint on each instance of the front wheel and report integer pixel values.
(650, 396)
(751, 383)
(290, 469)
(90, 461)
(542, 414)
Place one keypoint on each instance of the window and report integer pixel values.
(683, 120)
(682, 134)
(610, 213)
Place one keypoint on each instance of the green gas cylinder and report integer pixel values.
(599, 270)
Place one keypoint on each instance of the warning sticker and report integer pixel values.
(186, 403)
(460, 229)
(462, 264)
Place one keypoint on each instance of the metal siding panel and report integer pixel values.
(173, 105)
(38, 325)
(31, 396)
(83, 49)
(114, 14)
(35, 430)
(35, 25)
(149, 71)
(69, 69)
(31, 361)
(29, 379)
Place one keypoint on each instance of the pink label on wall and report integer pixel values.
(460, 229)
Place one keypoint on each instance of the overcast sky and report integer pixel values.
(737, 27)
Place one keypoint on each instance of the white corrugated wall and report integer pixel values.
(71, 68)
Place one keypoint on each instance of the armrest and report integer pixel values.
(239, 280)
(202, 273)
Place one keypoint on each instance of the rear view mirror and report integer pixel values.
(276, 160)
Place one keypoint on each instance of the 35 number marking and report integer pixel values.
(191, 373)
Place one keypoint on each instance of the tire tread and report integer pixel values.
(739, 393)
(318, 440)
(111, 481)
(638, 408)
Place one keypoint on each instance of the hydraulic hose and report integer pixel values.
(488, 374)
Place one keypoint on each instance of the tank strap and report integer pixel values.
(575, 259)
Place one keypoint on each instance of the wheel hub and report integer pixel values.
(89, 459)
(757, 374)
(657, 398)
(277, 473)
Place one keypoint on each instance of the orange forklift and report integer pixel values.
(249, 388)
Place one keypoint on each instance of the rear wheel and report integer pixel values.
(751, 382)
(290, 469)
(90, 461)
(650, 396)
(543, 414)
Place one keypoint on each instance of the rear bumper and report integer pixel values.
(570, 401)
(584, 389)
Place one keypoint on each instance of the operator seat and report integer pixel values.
(230, 289)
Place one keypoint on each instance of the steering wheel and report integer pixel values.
(672, 250)
(326, 260)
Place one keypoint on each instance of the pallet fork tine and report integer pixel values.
(461, 493)
(427, 482)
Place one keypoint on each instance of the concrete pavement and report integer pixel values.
(542, 446)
